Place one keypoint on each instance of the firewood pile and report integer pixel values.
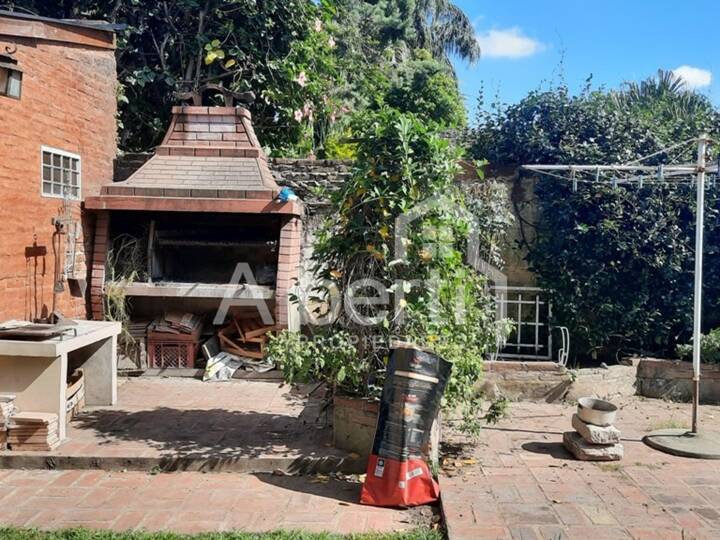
(245, 337)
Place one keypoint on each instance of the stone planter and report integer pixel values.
(550, 382)
(672, 379)
(354, 423)
(521, 381)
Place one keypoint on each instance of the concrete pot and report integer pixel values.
(596, 411)
(354, 423)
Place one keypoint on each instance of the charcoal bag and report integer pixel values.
(398, 473)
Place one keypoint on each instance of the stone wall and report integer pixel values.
(521, 194)
(307, 176)
(672, 380)
(605, 383)
(647, 377)
(551, 382)
(526, 381)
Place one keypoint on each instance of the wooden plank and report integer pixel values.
(252, 328)
(59, 31)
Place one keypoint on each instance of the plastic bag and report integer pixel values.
(221, 367)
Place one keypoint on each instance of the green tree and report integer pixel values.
(398, 27)
(402, 162)
(665, 95)
(279, 49)
(444, 29)
(309, 63)
(427, 88)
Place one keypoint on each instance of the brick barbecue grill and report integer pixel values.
(203, 203)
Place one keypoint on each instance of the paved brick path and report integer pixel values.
(188, 502)
(157, 417)
(519, 482)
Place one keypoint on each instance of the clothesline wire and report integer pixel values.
(684, 179)
(663, 151)
(627, 173)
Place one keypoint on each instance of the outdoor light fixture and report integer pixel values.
(10, 78)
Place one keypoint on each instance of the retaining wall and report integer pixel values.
(672, 380)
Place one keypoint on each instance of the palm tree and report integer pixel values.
(400, 26)
(444, 29)
(666, 90)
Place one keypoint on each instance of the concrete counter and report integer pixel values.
(36, 371)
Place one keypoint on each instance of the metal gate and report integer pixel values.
(532, 336)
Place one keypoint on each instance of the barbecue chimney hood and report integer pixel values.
(210, 161)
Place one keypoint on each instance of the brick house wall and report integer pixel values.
(68, 103)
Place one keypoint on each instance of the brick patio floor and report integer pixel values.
(518, 481)
(189, 503)
(175, 417)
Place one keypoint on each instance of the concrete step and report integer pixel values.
(210, 464)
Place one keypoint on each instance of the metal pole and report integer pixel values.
(697, 307)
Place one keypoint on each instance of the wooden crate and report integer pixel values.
(167, 350)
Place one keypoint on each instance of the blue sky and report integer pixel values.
(524, 42)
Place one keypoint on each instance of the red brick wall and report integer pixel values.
(69, 103)
(288, 270)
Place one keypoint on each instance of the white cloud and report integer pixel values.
(508, 43)
(694, 77)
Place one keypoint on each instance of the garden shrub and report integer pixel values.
(328, 357)
(709, 348)
(618, 263)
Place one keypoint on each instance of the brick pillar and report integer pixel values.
(286, 314)
(97, 275)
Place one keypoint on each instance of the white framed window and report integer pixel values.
(60, 174)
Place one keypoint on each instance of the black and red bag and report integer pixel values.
(398, 473)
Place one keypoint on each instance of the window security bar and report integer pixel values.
(532, 335)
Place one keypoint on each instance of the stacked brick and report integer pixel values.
(211, 131)
(208, 152)
(100, 250)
